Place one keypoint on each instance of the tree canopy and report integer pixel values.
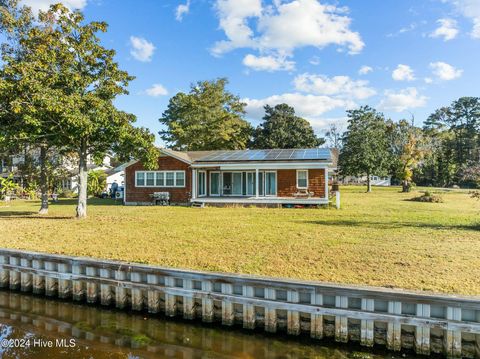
(408, 148)
(366, 148)
(67, 82)
(453, 134)
(207, 118)
(281, 128)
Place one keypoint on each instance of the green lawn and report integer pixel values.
(378, 239)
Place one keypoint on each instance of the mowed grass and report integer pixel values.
(380, 238)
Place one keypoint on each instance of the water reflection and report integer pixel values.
(29, 324)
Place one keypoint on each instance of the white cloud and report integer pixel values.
(156, 90)
(310, 107)
(445, 71)
(268, 63)
(233, 15)
(283, 27)
(470, 9)
(402, 100)
(428, 80)
(342, 86)
(476, 29)
(364, 70)
(182, 10)
(403, 73)
(43, 5)
(403, 30)
(447, 29)
(142, 49)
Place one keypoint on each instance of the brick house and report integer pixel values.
(270, 177)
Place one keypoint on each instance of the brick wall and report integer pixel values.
(287, 182)
(165, 163)
(316, 182)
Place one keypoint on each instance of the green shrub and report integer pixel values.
(428, 197)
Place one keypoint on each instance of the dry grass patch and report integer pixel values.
(381, 238)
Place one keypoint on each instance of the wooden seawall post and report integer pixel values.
(228, 315)
(270, 313)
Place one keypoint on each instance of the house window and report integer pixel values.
(160, 178)
(302, 179)
(140, 179)
(150, 179)
(170, 179)
(179, 179)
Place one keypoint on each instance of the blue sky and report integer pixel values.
(403, 57)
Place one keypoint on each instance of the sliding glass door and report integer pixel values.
(251, 184)
(232, 183)
(237, 183)
(270, 183)
(202, 183)
(215, 184)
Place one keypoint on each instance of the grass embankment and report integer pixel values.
(380, 238)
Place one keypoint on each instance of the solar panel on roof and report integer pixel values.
(268, 155)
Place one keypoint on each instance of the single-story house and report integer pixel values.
(269, 177)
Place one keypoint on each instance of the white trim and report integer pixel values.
(262, 165)
(204, 183)
(125, 187)
(263, 200)
(302, 170)
(194, 184)
(257, 183)
(219, 183)
(164, 179)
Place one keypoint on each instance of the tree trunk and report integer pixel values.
(82, 183)
(43, 180)
(369, 183)
(405, 186)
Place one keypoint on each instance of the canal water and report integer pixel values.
(34, 327)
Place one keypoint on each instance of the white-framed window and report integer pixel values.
(180, 179)
(150, 182)
(140, 179)
(160, 179)
(302, 179)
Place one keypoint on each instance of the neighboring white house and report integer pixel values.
(116, 174)
(70, 182)
(383, 181)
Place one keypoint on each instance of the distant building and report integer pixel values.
(383, 181)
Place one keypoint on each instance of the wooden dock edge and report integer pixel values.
(427, 323)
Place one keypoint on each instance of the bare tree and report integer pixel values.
(333, 135)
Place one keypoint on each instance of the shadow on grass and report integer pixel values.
(393, 225)
(90, 201)
(28, 215)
